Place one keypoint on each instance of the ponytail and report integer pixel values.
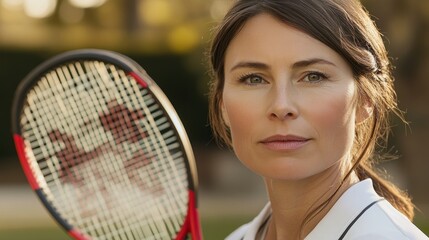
(399, 199)
(377, 128)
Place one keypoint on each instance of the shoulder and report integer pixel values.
(360, 213)
(383, 221)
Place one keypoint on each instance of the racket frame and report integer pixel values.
(191, 223)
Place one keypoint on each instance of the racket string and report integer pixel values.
(132, 126)
(154, 143)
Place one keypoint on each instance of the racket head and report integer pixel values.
(100, 144)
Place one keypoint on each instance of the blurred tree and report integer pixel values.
(405, 25)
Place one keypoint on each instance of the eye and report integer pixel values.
(314, 77)
(252, 79)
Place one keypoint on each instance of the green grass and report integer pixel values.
(34, 234)
(219, 228)
(423, 225)
(213, 229)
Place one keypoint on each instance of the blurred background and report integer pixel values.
(169, 39)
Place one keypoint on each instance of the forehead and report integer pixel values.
(267, 38)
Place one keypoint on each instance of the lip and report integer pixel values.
(284, 142)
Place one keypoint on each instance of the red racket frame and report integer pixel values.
(191, 223)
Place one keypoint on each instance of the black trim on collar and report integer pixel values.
(357, 217)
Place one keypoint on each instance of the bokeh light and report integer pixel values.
(183, 38)
(12, 4)
(39, 8)
(155, 26)
(156, 12)
(87, 3)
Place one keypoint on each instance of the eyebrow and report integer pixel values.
(299, 64)
(256, 65)
(312, 61)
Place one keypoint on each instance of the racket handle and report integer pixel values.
(194, 218)
(192, 223)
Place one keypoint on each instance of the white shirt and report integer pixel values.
(359, 214)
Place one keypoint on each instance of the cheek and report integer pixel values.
(238, 117)
(241, 119)
(337, 113)
(335, 120)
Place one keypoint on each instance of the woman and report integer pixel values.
(301, 92)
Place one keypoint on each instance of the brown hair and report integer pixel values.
(345, 27)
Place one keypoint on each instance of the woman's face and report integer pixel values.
(289, 101)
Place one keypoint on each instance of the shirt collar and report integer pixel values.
(256, 223)
(347, 207)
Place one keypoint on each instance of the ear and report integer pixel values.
(224, 114)
(364, 111)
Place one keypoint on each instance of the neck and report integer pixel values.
(299, 205)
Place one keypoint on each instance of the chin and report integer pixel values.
(286, 173)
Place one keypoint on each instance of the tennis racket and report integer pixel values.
(104, 150)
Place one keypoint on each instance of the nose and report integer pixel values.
(283, 104)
